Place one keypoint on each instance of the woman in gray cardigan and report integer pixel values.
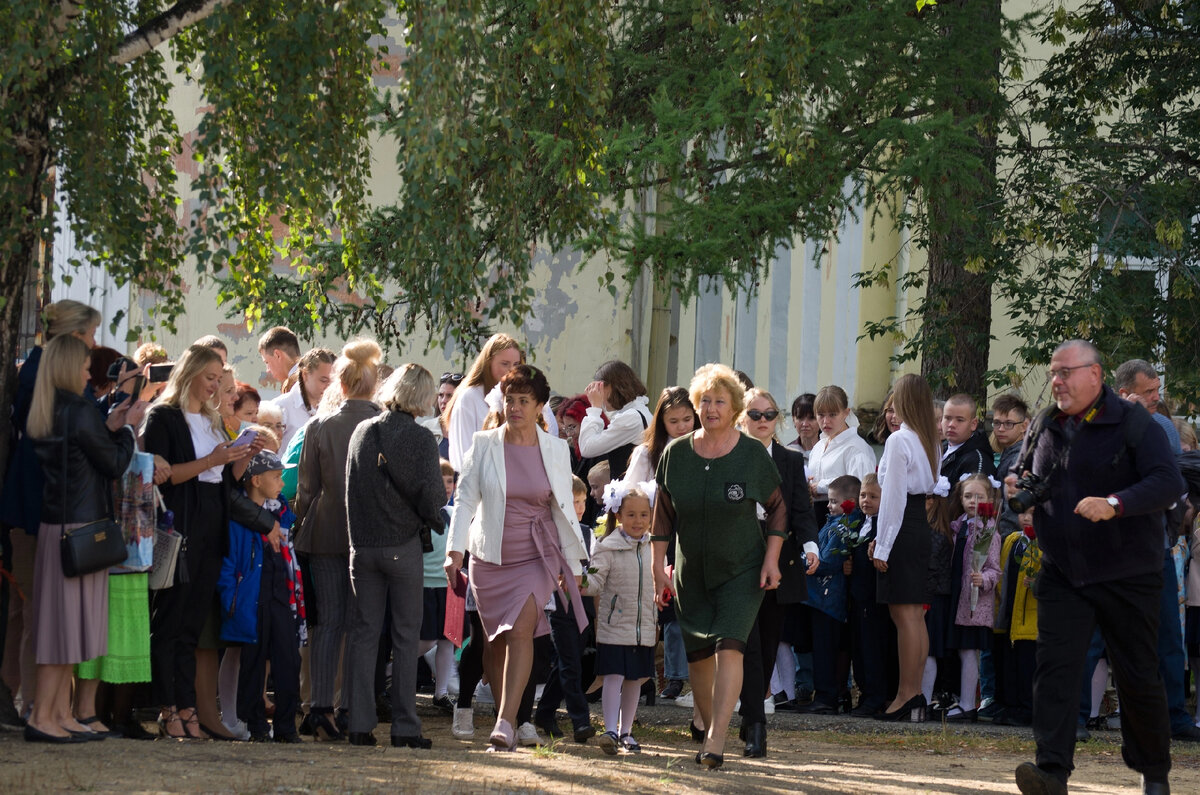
(321, 513)
(393, 490)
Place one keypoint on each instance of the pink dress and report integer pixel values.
(529, 552)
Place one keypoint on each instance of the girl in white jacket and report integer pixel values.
(619, 394)
(622, 580)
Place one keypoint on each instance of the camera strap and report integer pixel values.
(1051, 413)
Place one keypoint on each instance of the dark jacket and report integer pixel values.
(802, 524)
(95, 456)
(974, 457)
(321, 494)
(21, 497)
(1144, 476)
(165, 432)
(383, 511)
(1008, 520)
(941, 555)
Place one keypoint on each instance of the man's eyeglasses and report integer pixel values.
(1006, 425)
(1063, 373)
(757, 415)
(451, 378)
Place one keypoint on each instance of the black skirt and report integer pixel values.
(433, 617)
(906, 580)
(631, 662)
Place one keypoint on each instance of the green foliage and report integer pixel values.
(282, 149)
(1102, 209)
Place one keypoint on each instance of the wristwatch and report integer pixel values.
(1115, 503)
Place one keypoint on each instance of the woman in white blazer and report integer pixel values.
(514, 513)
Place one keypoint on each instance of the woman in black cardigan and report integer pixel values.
(184, 428)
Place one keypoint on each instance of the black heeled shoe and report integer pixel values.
(362, 738)
(697, 733)
(414, 741)
(712, 761)
(756, 740)
(912, 711)
(33, 735)
(213, 735)
(324, 727)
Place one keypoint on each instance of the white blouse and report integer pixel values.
(845, 454)
(295, 415)
(626, 425)
(205, 439)
(639, 470)
(903, 470)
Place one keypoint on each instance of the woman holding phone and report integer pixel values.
(185, 428)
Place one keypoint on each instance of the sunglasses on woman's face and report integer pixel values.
(757, 415)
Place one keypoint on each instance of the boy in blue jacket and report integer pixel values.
(828, 598)
(260, 596)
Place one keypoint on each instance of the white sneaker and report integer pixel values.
(527, 735)
(483, 694)
(769, 706)
(464, 723)
(685, 700)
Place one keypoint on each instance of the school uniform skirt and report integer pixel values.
(906, 582)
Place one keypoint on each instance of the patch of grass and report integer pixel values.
(549, 750)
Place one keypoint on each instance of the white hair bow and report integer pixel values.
(942, 488)
(617, 490)
(995, 483)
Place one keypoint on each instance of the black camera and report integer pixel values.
(1031, 490)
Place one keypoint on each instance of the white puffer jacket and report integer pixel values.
(621, 577)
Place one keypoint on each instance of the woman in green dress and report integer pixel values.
(710, 484)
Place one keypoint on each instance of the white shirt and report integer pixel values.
(903, 470)
(295, 415)
(204, 439)
(626, 425)
(639, 470)
(845, 454)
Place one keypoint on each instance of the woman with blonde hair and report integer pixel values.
(322, 535)
(394, 487)
(185, 428)
(80, 453)
(710, 483)
(21, 497)
(908, 472)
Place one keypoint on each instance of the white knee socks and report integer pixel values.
(969, 681)
(927, 679)
(619, 702)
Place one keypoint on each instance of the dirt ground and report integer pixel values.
(807, 754)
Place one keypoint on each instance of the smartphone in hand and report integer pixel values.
(244, 438)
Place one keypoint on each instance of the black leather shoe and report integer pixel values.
(818, 708)
(362, 738)
(1032, 780)
(712, 761)
(756, 741)
(259, 738)
(1189, 735)
(290, 739)
(584, 733)
(1155, 787)
(969, 716)
(415, 741)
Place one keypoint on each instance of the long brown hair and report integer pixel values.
(308, 364)
(481, 370)
(913, 402)
(656, 435)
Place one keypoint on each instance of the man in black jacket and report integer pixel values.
(1110, 475)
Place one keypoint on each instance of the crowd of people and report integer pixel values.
(371, 522)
